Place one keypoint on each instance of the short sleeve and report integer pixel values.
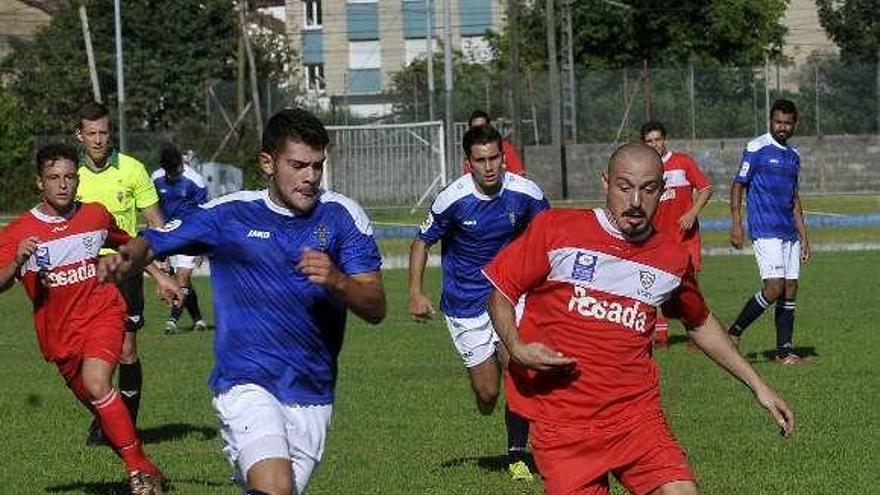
(523, 264)
(537, 206)
(696, 176)
(8, 245)
(200, 195)
(746, 167)
(687, 303)
(144, 191)
(357, 251)
(197, 234)
(435, 226)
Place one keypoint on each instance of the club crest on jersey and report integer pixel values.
(322, 236)
(89, 243)
(120, 196)
(172, 225)
(41, 256)
(647, 279)
(584, 267)
(512, 217)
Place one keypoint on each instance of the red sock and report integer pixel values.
(119, 430)
(661, 329)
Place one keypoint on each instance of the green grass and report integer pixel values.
(405, 422)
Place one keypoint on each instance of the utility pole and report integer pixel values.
(255, 90)
(513, 76)
(767, 90)
(429, 50)
(569, 90)
(447, 76)
(555, 104)
(120, 81)
(90, 53)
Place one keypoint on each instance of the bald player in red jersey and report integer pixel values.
(80, 323)
(678, 211)
(581, 367)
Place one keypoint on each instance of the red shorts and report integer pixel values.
(693, 246)
(101, 340)
(640, 452)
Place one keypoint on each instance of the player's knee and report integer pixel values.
(96, 387)
(487, 396)
(278, 486)
(773, 290)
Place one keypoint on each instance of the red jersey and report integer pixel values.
(682, 176)
(60, 276)
(512, 161)
(593, 296)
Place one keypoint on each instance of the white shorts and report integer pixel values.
(474, 338)
(183, 261)
(255, 426)
(777, 258)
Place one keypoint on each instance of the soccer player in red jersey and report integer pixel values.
(53, 250)
(678, 210)
(581, 366)
(510, 158)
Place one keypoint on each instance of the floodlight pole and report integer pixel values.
(120, 79)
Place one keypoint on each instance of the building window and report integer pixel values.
(315, 78)
(312, 14)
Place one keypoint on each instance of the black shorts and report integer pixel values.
(132, 290)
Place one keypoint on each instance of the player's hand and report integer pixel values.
(538, 356)
(805, 250)
(26, 249)
(420, 308)
(687, 221)
(736, 235)
(320, 269)
(777, 407)
(169, 290)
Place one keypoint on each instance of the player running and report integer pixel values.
(581, 366)
(80, 323)
(474, 217)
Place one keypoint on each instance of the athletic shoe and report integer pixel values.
(519, 471)
(171, 327)
(790, 359)
(142, 483)
(95, 437)
(200, 326)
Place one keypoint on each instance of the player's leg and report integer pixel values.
(306, 434)
(649, 459)
(130, 371)
(785, 306)
(474, 339)
(677, 488)
(768, 253)
(191, 303)
(517, 432)
(572, 459)
(253, 427)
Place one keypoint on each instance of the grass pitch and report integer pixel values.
(405, 422)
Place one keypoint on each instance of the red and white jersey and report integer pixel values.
(593, 296)
(682, 176)
(60, 276)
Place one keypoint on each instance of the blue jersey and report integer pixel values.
(182, 196)
(472, 228)
(770, 172)
(275, 328)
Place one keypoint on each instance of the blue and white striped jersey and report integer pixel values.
(275, 328)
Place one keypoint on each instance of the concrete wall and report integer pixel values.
(828, 164)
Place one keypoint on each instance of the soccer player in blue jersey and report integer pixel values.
(181, 190)
(474, 217)
(769, 177)
(286, 265)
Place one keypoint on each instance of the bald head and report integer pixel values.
(634, 157)
(634, 183)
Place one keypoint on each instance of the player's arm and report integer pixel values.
(703, 196)
(130, 258)
(153, 215)
(362, 292)
(801, 227)
(713, 339)
(736, 229)
(420, 308)
(24, 250)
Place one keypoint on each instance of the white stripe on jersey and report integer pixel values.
(361, 220)
(676, 178)
(65, 251)
(610, 274)
(464, 186)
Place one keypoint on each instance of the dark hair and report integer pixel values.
(483, 134)
(785, 106)
(91, 111)
(297, 125)
(170, 158)
(478, 114)
(53, 152)
(651, 126)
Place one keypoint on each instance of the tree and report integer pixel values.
(854, 25)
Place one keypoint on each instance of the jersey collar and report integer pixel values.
(666, 156)
(488, 197)
(613, 231)
(775, 142)
(281, 210)
(35, 211)
(112, 159)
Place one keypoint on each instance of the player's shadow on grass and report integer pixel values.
(175, 431)
(492, 463)
(770, 354)
(121, 488)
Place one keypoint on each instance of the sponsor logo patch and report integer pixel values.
(584, 267)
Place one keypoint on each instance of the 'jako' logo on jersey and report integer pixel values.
(172, 225)
(587, 305)
(260, 234)
(72, 276)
